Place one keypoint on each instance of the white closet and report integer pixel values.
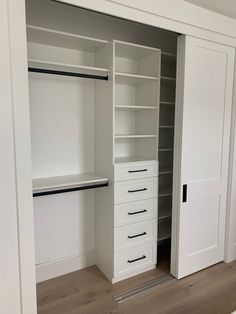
(103, 123)
(95, 106)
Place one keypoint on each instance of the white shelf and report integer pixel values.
(168, 54)
(166, 127)
(164, 229)
(67, 182)
(67, 67)
(46, 36)
(165, 190)
(136, 107)
(133, 79)
(166, 169)
(121, 136)
(164, 211)
(164, 237)
(168, 78)
(167, 149)
(172, 103)
(120, 160)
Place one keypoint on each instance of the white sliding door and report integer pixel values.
(203, 116)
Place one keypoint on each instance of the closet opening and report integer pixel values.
(102, 112)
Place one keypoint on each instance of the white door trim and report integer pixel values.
(230, 237)
(18, 80)
(177, 16)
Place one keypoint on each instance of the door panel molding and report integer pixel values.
(203, 106)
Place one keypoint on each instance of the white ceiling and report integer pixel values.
(225, 7)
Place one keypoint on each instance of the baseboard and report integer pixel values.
(64, 266)
(231, 254)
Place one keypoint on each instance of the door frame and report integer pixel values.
(180, 18)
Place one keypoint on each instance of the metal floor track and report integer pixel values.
(143, 288)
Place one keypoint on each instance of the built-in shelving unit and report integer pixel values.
(166, 137)
(112, 128)
(136, 87)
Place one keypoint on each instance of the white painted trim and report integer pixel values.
(65, 265)
(177, 189)
(177, 16)
(10, 292)
(21, 126)
(230, 247)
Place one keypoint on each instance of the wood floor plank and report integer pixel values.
(211, 291)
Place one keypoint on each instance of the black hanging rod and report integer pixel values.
(65, 73)
(66, 190)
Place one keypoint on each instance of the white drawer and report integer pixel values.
(136, 170)
(135, 234)
(134, 190)
(135, 211)
(135, 259)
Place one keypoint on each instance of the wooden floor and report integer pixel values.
(88, 292)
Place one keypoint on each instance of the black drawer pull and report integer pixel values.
(140, 190)
(137, 235)
(139, 212)
(141, 170)
(137, 259)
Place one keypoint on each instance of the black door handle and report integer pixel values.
(137, 235)
(137, 259)
(140, 190)
(139, 212)
(185, 187)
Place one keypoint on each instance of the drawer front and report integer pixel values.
(135, 211)
(136, 170)
(135, 259)
(134, 190)
(135, 234)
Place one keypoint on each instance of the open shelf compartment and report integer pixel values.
(135, 149)
(137, 59)
(140, 123)
(58, 50)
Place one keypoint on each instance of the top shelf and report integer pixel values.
(133, 51)
(56, 38)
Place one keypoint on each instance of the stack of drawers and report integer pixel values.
(135, 218)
